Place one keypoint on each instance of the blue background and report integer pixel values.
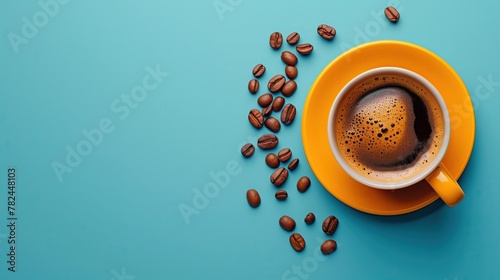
(117, 214)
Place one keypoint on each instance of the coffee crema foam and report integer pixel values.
(389, 127)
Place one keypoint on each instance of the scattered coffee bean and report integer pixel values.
(258, 70)
(267, 141)
(285, 154)
(330, 225)
(293, 164)
(272, 124)
(278, 178)
(247, 150)
(272, 160)
(328, 247)
(255, 118)
(297, 241)
(253, 198)
(275, 40)
(265, 100)
(303, 183)
(253, 86)
(291, 72)
(276, 83)
(289, 58)
(288, 114)
(281, 195)
(278, 103)
(326, 31)
(304, 49)
(289, 88)
(310, 218)
(287, 223)
(391, 14)
(293, 38)
(267, 111)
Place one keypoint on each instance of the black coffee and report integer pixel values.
(389, 128)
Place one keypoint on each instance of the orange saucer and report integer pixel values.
(320, 99)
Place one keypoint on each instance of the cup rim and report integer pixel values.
(389, 185)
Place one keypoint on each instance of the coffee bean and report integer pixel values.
(267, 141)
(330, 225)
(293, 38)
(253, 198)
(267, 111)
(391, 14)
(247, 150)
(310, 218)
(303, 183)
(328, 247)
(293, 164)
(288, 114)
(291, 72)
(255, 118)
(275, 40)
(258, 70)
(285, 154)
(297, 241)
(281, 195)
(272, 124)
(278, 178)
(253, 86)
(265, 100)
(287, 223)
(304, 49)
(326, 31)
(289, 88)
(289, 58)
(278, 103)
(272, 160)
(276, 83)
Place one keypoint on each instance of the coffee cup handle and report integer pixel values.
(445, 186)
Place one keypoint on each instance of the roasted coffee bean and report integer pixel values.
(285, 154)
(278, 178)
(330, 225)
(278, 103)
(291, 72)
(293, 164)
(289, 58)
(272, 160)
(310, 218)
(289, 88)
(258, 70)
(293, 38)
(287, 223)
(304, 49)
(267, 111)
(255, 118)
(326, 31)
(297, 241)
(303, 183)
(267, 141)
(275, 40)
(281, 195)
(328, 247)
(265, 100)
(253, 198)
(247, 150)
(273, 124)
(253, 86)
(391, 14)
(276, 83)
(288, 114)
